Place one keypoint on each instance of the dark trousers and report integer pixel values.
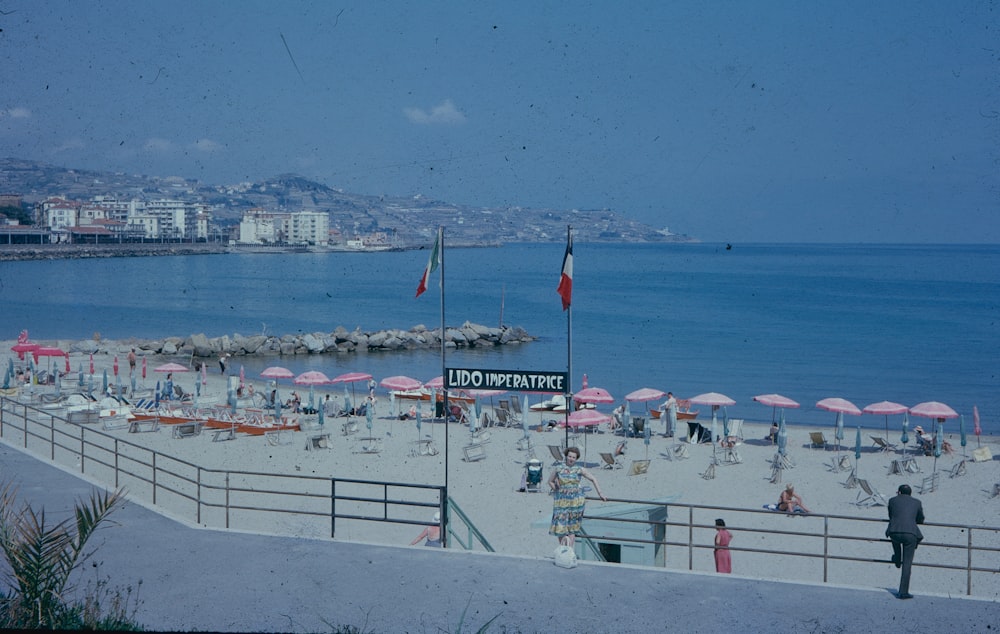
(904, 545)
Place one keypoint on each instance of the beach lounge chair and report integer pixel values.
(709, 473)
(735, 436)
(503, 417)
(142, 426)
(817, 439)
(882, 443)
(556, 452)
(680, 451)
(423, 447)
(907, 465)
(318, 441)
(868, 496)
(515, 411)
(957, 470)
(852, 480)
(930, 483)
(474, 452)
(610, 461)
(186, 430)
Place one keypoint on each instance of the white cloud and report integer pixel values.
(16, 113)
(207, 145)
(75, 143)
(157, 145)
(444, 113)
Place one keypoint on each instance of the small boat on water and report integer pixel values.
(682, 414)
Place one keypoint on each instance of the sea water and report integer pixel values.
(906, 323)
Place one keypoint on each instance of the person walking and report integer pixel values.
(905, 513)
(723, 560)
(569, 500)
(131, 362)
(222, 362)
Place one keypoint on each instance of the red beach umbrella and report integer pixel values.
(976, 429)
(24, 346)
(115, 366)
(67, 363)
(436, 383)
(351, 377)
(885, 408)
(933, 409)
(312, 377)
(774, 401)
(92, 362)
(586, 418)
(143, 366)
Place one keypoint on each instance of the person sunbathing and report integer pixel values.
(791, 502)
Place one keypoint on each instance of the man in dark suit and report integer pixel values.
(905, 512)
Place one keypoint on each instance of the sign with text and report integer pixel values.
(513, 380)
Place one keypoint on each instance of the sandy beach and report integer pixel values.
(516, 522)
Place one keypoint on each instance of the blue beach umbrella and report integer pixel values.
(133, 384)
(320, 410)
(6, 379)
(104, 385)
(156, 394)
(524, 418)
(857, 444)
(475, 419)
(961, 430)
(905, 436)
(347, 400)
(626, 419)
(783, 434)
(368, 417)
(938, 438)
(418, 423)
(79, 381)
(59, 388)
(715, 432)
(90, 386)
(725, 422)
(645, 440)
(232, 401)
(479, 411)
(277, 408)
(10, 366)
(118, 387)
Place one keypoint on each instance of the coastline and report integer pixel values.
(516, 522)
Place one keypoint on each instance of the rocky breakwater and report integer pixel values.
(340, 341)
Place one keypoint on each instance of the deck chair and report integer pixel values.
(503, 417)
(852, 480)
(882, 444)
(186, 430)
(556, 452)
(515, 411)
(710, 472)
(318, 441)
(474, 452)
(735, 436)
(817, 439)
(610, 461)
(680, 451)
(957, 470)
(996, 491)
(868, 496)
(930, 483)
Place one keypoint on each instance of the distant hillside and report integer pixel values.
(411, 220)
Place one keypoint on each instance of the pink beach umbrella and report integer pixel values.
(143, 366)
(593, 395)
(933, 409)
(91, 363)
(774, 401)
(170, 367)
(885, 408)
(400, 383)
(204, 374)
(243, 376)
(840, 406)
(351, 377)
(115, 366)
(24, 346)
(976, 429)
(312, 377)
(714, 399)
(644, 394)
(436, 383)
(277, 372)
(586, 418)
(67, 363)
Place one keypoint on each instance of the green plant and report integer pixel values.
(41, 560)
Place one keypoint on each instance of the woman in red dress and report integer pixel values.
(723, 562)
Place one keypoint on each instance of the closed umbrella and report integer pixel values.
(92, 363)
(133, 384)
(90, 385)
(347, 402)
(961, 430)
(277, 408)
(783, 434)
(857, 451)
(115, 366)
(68, 370)
(368, 418)
(80, 380)
(645, 441)
(320, 411)
(104, 386)
(144, 369)
(976, 429)
(905, 436)
(715, 432)
(156, 395)
(627, 419)
(418, 423)
(524, 415)
(6, 379)
(938, 440)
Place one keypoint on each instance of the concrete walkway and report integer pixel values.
(198, 579)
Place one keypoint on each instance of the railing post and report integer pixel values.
(826, 546)
(227, 499)
(443, 504)
(333, 508)
(52, 439)
(197, 512)
(968, 562)
(690, 537)
(116, 463)
(83, 447)
(154, 478)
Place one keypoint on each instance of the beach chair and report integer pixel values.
(868, 496)
(817, 439)
(515, 411)
(852, 480)
(474, 452)
(610, 461)
(557, 453)
(503, 417)
(186, 430)
(424, 447)
(533, 475)
(930, 483)
(957, 470)
(143, 426)
(222, 435)
(709, 473)
(680, 451)
(996, 491)
(318, 441)
(882, 444)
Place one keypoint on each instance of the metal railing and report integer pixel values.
(841, 545)
(220, 498)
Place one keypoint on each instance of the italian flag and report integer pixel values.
(432, 264)
(565, 288)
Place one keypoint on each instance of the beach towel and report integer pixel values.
(771, 507)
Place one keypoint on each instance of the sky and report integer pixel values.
(726, 121)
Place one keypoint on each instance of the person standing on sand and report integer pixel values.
(669, 414)
(222, 362)
(131, 362)
(905, 512)
(723, 560)
(567, 507)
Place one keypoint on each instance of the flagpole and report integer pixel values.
(444, 516)
(569, 350)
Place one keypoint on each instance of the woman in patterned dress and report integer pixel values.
(567, 506)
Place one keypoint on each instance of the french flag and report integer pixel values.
(565, 288)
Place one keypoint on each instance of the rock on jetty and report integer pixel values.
(341, 340)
